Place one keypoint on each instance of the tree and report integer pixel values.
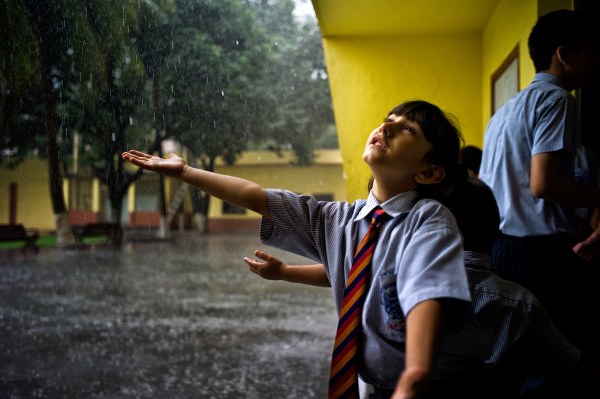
(218, 76)
(49, 77)
(207, 83)
(49, 29)
(107, 126)
(296, 81)
(19, 84)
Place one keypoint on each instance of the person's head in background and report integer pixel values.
(470, 157)
(564, 43)
(474, 207)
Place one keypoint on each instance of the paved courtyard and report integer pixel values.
(159, 320)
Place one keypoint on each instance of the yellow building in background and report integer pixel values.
(323, 179)
(25, 196)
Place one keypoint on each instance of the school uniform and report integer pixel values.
(522, 333)
(534, 247)
(419, 256)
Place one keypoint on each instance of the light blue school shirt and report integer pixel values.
(538, 119)
(419, 256)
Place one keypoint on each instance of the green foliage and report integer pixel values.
(20, 110)
(295, 83)
(208, 78)
(20, 61)
(219, 76)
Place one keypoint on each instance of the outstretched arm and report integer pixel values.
(234, 190)
(274, 269)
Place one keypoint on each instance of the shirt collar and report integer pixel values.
(477, 260)
(547, 78)
(401, 203)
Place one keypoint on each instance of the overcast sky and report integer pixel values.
(304, 8)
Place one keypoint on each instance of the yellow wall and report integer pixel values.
(369, 76)
(510, 25)
(34, 209)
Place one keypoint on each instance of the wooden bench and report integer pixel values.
(112, 231)
(17, 232)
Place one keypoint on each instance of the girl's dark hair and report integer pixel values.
(445, 139)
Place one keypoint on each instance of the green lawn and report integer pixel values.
(48, 241)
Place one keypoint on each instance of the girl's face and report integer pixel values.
(398, 146)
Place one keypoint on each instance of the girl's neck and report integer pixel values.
(384, 192)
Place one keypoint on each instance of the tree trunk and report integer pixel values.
(64, 235)
(163, 229)
(201, 201)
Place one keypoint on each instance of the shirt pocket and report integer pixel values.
(393, 318)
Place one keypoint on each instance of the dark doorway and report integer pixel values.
(589, 98)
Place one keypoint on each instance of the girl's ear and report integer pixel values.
(433, 174)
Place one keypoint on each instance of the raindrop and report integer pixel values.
(237, 42)
(222, 93)
(130, 120)
(114, 137)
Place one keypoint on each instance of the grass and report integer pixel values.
(48, 241)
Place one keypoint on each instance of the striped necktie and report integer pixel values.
(343, 376)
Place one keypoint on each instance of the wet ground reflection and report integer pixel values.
(159, 320)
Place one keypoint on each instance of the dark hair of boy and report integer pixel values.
(470, 157)
(473, 205)
(555, 29)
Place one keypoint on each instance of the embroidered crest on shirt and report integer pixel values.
(394, 320)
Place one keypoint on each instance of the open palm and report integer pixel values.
(172, 166)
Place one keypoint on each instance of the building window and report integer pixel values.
(505, 81)
(229, 209)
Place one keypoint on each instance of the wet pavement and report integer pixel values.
(159, 320)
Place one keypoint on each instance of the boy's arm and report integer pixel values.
(274, 269)
(423, 332)
(234, 190)
(547, 181)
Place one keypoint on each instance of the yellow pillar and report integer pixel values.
(168, 193)
(95, 195)
(65, 188)
(131, 198)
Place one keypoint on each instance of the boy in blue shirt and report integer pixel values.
(415, 319)
(528, 161)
